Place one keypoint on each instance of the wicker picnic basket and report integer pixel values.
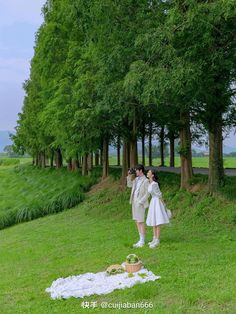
(132, 268)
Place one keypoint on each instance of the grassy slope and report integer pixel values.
(196, 259)
(27, 192)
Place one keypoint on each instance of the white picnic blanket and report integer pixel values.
(96, 283)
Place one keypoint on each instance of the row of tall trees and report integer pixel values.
(111, 72)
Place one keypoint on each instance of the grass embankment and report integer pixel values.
(27, 192)
(196, 259)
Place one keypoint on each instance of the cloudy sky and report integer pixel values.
(19, 20)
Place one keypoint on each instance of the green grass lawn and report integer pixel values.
(196, 259)
(202, 162)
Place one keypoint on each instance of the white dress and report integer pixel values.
(156, 212)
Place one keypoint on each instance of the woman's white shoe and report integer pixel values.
(149, 243)
(154, 244)
(139, 244)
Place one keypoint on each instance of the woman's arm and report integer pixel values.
(156, 190)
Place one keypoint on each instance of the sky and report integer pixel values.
(19, 20)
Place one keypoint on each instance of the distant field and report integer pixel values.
(202, 162)
(7, 161)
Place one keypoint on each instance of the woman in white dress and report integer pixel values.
(157, 215)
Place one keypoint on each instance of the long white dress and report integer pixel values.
(156, 212)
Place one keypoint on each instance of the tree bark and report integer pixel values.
(96, 158)
(162, 139)
(105, 154)
(150, 144)
(75, 162)
(216, 169)
(185, 150)
(85, 165)
(69, 164)
(133, 144)
(128, 152)
(58, 157)
(51, 158)
(172, 149)
(101, 154)
(125, 158)
(42, 159)
(90, 163)
(143, 149)
(37, 159)
(118, 150)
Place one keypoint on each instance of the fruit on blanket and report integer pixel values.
(115, 269)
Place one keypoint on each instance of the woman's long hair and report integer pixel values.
(155, 177)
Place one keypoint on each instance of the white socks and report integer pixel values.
(142, 237)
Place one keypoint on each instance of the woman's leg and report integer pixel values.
(157, 232)
(154, 232)
(156, 240)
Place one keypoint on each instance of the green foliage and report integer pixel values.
(106, 69)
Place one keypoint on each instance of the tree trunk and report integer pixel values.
(101, 155)
(85, 165)
(150, 144)
(90, 164)
(105, 150)
(125, 158)
(37, 159)
(128, 152)
(44, 159)
(69, 164)
(185, 150)
(143, 146)
(96, 158)
(216, 169)
(118, 150)
(51, 158)
(58, 158)
(133, 144)
(162, 140)
(75, 163)
(172, 149)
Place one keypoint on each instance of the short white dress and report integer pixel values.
(156, 212)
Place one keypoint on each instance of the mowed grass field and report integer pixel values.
(196, 259)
